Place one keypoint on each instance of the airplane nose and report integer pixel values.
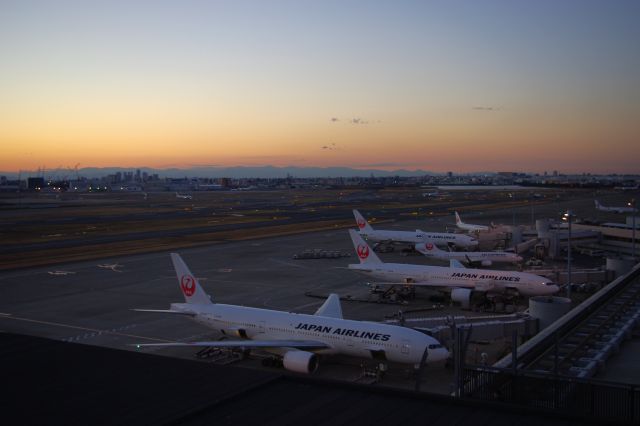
(553, 289)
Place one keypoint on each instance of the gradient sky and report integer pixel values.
(437, 85)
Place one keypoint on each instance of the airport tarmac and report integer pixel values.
(90, 302)
(86, 303)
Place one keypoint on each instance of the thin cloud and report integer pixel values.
(388, 165)
(330, 147)
(485, 108)
(354, 120)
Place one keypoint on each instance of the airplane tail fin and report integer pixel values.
(427, 248)
(363, 225)
(365, 254)
(598, 205)
(191, 289)
(458, 220)
(331, 307)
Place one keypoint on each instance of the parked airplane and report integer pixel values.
(615, 209)
(411, 237)
(468, 226)
(483, 258)
(60, 273)
(113, 266)
(183, 196)
(298, 338)
(627, 188)
(460, 281)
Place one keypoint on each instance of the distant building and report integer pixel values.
(35, 183)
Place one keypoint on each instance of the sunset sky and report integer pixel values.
(434, 85)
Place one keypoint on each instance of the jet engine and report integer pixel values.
(462, 296)
(300, 361)
(235, 332)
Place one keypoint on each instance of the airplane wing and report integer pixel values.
(455, 264)
(331, 307)
(298, 344)
(485, 287)
(412, 283)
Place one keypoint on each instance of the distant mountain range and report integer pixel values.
(229, 172)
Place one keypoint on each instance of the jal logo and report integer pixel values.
(188, 285)
(363, 251)
(429, 246)
(361, 223)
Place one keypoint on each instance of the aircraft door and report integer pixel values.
(261, 327)
(406, 347)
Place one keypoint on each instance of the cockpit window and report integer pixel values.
(435, 346)
(549, 283)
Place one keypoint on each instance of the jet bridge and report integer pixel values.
(580, 342)
(554, 369)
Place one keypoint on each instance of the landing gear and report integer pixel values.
(395, 293)
(272, 362)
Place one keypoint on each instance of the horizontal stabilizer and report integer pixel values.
(298, 344)
(165, 311)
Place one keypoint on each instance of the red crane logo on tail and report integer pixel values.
(363, 251)
(188, 285)
(429, 246)
(361, 223)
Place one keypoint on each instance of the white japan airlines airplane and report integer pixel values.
(615, 209)
(410, 237)
(298, 338)
(468, 226)
(484, 258)
(183, 196)
(461, 281)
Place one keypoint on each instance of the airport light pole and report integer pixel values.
(513, 209)
(567, 216)
(632, 204)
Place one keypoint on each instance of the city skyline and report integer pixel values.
(436, 86)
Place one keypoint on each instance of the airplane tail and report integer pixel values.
(598, 205)
(363, 225)
(365, 254)
(427, 248)
(458, 220)
(191, 289)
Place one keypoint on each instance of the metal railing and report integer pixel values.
(596, 400)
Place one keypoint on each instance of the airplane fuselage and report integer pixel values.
(472, 228)
(437, 276)
(347, 337)
(474, 256)
(409, 237)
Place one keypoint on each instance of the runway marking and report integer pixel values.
(5, 314)
(98, 333)
(94, 330)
